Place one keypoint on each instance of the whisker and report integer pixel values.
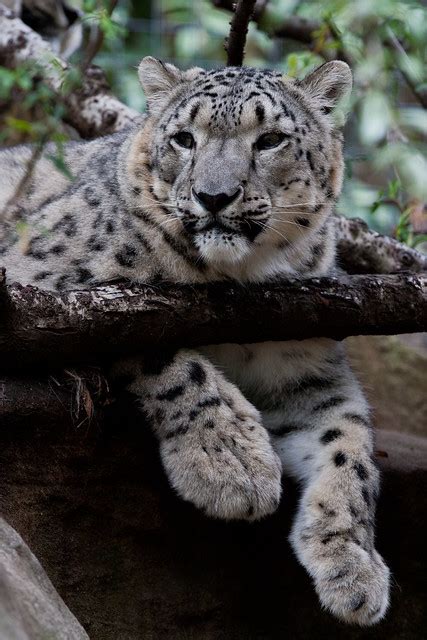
(159, 203)
(289, 222)
(169, 220)
(290, 248)
(300, 212)
(298, 204)
(266, 226)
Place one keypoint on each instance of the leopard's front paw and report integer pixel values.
(355, 589)
(224, 465)
(336, 548)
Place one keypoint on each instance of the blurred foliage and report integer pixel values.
(385, 41)
(24, 93)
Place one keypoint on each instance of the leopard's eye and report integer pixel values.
(184, 139)
(270, 140)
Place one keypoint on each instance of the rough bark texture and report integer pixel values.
(30, 608)
(91, 108)
(235, 43)
(132, 561)
(39, 326)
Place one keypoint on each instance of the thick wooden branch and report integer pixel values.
(235, 43)
(41, 327)
(91, 109)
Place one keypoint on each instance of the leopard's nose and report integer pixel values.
(214, 203)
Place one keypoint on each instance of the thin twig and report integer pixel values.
(96, 40)
(235, 44)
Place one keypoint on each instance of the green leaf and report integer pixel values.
(419, 239)
(20, 125)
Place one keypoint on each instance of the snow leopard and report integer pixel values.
(232, 175)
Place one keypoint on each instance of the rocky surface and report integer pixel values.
(30, 608)
(132, 561)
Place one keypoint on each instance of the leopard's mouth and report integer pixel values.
(247, 228)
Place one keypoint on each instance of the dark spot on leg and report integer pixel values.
(286, 428)
(340, 459)
(330, 436)
(172, 393)
(355, 417)
(182, 429)
(210, 424)
(358, 602)
(329, 537)
(365, 496)
(197, 373)
(361, 470)
(210, 402)
(334, 401)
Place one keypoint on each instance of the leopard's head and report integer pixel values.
(243, 158)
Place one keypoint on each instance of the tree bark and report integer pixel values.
(45, 328)
(235, 43)
(91, 109)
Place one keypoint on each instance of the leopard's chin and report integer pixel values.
(220, 248)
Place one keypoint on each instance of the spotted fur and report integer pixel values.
(234, 175)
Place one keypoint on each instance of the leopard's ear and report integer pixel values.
(328, 85)
(158, 79)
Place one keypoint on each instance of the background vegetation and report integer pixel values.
(384, 41)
